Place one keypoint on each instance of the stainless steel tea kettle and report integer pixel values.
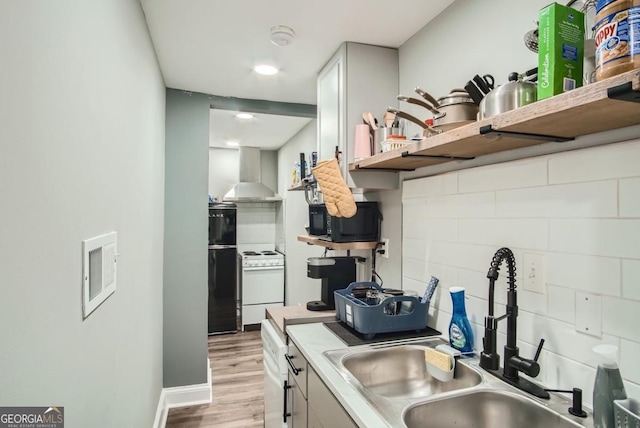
(516, 93)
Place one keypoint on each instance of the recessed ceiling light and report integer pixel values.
(232, 143)
(244, 115)
(267, 70)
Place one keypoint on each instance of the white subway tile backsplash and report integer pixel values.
(472, 205)
(414, 248)
(564, 373)
(414, 222)
(532, 302)
(630, 197)
(631, 279)
(600, 163)
(412, 268)
(561, 303)
(440, 230)
(620, 318)
(585, 220)
(584, 273)
(446, 184)
(629, 366)
(632, 389)
(614, 238)
(521, 233)
(467, 256)
(595, 199)
(560, 337)
(475, 283)
(525, 173)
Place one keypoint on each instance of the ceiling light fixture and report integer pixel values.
(242, 115)
(232, 143)
(267, 70)
(282, 35)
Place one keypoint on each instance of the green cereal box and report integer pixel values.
(560, 50)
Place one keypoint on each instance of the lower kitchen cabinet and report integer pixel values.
(296, 405)
(324, 410)
(309, 403)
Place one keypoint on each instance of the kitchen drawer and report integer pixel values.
(298, 367)
(324, 407)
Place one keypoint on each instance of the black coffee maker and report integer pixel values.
(336, 273)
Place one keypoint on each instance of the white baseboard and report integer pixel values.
(182, 396)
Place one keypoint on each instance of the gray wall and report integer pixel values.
(479, 40)
(81, 154)
(185, 244)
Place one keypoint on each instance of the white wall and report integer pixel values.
(81, 154)
(579, 210)
(299, 288)
(223, 171)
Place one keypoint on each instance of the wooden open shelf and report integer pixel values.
(603, 106)
(302, 185)
(339, 245)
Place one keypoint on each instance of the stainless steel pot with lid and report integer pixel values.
(516, 93)
(450, 111)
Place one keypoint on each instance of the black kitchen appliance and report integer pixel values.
(222, 268)
(336, 273)
(363, 226)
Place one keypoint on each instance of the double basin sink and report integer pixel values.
(395, 380)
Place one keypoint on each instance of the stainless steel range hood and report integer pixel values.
(250, 187)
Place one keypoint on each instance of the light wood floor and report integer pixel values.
(237, 377)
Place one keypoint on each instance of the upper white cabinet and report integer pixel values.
(358, 78)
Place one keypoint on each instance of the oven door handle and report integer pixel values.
(255, 268)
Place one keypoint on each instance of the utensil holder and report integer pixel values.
(627, 413)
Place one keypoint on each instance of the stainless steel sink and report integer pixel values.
(393, 378)
(484, 409)
(401, 372)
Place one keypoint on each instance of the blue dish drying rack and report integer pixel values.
(369, 319)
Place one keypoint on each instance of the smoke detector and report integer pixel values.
(282, 35)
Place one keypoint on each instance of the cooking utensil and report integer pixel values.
(389, 118)
(516, 93)
(413, 119)
(452, 110)
(474, 92)
(420, 103)
(372, 121)
(427, 97)
(485, 83)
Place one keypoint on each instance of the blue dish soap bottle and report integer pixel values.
(460, 332)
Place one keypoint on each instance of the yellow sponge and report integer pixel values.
(438, 359)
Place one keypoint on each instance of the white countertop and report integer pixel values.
(313, 340)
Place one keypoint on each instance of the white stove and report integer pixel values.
(262, 283)
(262, 258)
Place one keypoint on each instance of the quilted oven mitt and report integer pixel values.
(337, 195)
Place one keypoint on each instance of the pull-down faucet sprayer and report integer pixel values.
(513, 363)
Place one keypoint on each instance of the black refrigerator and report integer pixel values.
(223, 268)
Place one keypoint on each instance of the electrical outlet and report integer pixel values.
(385, 248)
(534, 273)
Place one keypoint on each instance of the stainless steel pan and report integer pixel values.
(430, 130)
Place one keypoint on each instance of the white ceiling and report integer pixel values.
(211, 46)
(266, 131)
